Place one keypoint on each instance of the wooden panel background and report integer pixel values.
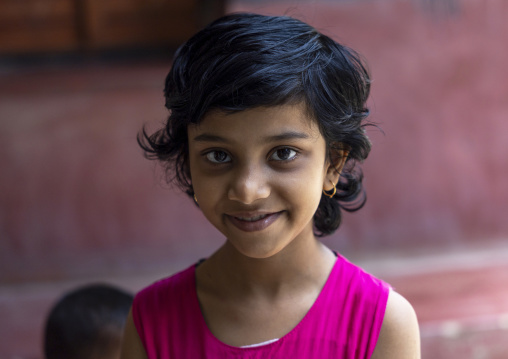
(38, 25)
(35, 26)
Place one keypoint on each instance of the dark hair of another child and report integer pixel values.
(242, 61)
(87, 323)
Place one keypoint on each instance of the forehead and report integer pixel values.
(259, 121)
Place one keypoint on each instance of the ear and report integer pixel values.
(335, 164)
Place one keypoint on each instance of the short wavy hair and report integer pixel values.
(243, 61)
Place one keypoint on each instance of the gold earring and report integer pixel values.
(330, 195)
(195, 198)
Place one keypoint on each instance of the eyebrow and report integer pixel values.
(206, 137)
(289, 135)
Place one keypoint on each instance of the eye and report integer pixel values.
(284, 154)
(218, 157)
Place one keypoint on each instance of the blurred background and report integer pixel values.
(80, 204)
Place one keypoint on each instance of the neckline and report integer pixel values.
(312, 309)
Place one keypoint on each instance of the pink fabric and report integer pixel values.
(344, 322)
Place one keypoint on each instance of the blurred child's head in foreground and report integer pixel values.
(87, 323)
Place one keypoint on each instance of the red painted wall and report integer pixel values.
(77, 198)
(79, 203)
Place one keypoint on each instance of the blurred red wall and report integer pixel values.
(77, 198)
(78, 202)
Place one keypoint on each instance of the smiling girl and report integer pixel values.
(266, 124)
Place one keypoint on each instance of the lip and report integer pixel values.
(253, 226)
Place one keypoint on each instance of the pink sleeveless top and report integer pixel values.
(344, 321)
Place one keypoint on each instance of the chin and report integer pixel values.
(258, 253)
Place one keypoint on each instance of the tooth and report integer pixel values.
(252, 219)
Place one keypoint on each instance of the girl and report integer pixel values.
(266, 124)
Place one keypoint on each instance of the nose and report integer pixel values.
(248, 184)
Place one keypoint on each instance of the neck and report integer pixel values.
(296, 265)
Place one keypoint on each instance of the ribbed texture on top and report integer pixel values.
(344, 321)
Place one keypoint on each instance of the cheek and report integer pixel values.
(304, 189)
(200, 181)
(210, 193)
(207, 192)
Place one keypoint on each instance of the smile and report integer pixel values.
(252, 219)
(253, 223)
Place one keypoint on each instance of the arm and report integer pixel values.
(132, 347)
(400, 336)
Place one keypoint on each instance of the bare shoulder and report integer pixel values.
(400, 335)
(132, 347)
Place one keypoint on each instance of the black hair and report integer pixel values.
(87, 323)
(242, 61)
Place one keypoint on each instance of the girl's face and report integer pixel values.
(258, 176)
